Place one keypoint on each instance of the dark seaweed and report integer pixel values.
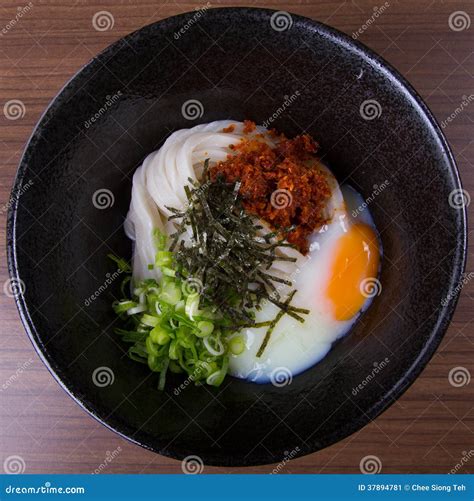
(228, 253)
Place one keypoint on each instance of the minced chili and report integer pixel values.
(281, 185)
(229, 129)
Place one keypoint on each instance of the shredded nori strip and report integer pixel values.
(226, 251)
(273, 324)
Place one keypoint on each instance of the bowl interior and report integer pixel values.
(236, 65)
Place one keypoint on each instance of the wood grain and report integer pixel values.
(429, 429)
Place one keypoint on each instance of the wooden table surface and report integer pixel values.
(431, 428)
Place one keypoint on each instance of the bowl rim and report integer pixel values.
(437, 333)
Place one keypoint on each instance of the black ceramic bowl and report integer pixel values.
(238, 63)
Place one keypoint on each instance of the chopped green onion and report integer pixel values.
(149, 320)
(163, 258)
(192, 305)
(162, 380)
(216, 350)
(171, 293)
(150, 346)
(159, 239)
(184, 337)
(122, 264)
(237, 345)
(216, 378)
(136, 309)
(174, 350)
(123, 306)
(159, 335)
(169, 272)
(205, 328)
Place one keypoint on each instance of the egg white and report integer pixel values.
(296, 346)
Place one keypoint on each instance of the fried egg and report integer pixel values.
(335, 281)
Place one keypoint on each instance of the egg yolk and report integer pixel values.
(356, 259)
